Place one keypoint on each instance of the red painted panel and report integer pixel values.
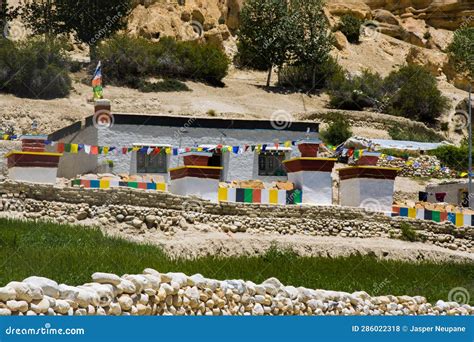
(257, 196)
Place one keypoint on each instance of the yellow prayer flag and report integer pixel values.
(74, 148)
(168, 150)
(106, 150)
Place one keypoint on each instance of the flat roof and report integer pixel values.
(191, 122)
(206, 122)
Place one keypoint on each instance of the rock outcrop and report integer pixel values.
(212, 21)
(444, 14)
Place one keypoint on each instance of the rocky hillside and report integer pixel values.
(427, 26)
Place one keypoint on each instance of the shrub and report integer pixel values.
(454, 157)
(400, 153)
(408, 233)
(301, 76)
(411, 92)
(356, 92)
(413, 133)
(461, 50)
(37, 68)
(211, 112)
(167, 85)
(338, 131)
(204, 62)
(127, 60)
(350, 26)
(416, 94)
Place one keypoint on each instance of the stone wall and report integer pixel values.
(136, 211)
(154, 293)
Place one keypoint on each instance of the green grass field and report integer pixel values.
(71, 254)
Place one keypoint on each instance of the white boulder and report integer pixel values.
(7, 293)
(49, 287)
(106, 278)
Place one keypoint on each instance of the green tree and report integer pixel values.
(3, 13)
(311, 37)
(461, 50)
(263, 33)
(41, 17)
(92, 21)
(415, 94)
(6, 13)
(89, 20)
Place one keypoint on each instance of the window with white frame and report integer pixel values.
(270, 163)
(152, 163)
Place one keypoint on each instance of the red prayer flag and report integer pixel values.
(60, 147)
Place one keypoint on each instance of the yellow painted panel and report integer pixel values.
(222, 195)
(273, 196)
(104, 184)
(412, 212)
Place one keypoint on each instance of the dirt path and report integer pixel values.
(194, 244)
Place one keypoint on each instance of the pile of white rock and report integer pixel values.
(421, 166)
(154, 293)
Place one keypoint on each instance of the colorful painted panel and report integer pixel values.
(458, 219)
(107, 184)
(263, 196)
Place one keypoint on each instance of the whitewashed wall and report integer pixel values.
(452, 190)
(316, 186)
(371, 194)
(238, 167)
(71, 165)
